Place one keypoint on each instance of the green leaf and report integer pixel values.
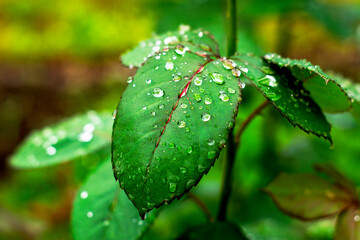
(214, 231)
(103, 211)
(353, 90)
(199, 41)
(326, 92)
(67, 140)
(307, 196)
(348, 225)
(286, 94)
(171, 124)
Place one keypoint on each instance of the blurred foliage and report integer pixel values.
(52, 65)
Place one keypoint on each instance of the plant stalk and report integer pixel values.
(231, 147)
(231, 27)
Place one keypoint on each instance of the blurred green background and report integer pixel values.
(60, 57)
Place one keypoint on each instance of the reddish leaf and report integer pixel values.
(307, 196)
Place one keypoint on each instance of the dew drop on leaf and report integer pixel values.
(230, 90)
(84, 195)
(158, 92)
(189, 150)
(205, 117)
(169, 65)
(90, 214)
(217, 78)
(181, 124)
(176, 78)
(224, 97)
(172, 187)
(51, 151)
(208, 101)
(228, 63)
(210, 141)
(236, 72)
(148, 81)
(161, 106)
(197, 81)
(197, 97)
(183, 105)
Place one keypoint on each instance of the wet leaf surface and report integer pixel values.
(67, 140)
(173, 120)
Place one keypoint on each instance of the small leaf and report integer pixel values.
(286, 94)
(171, 124)
(67, 140)
(348, 225)
(103, 211)
(307, 196)
(326, 92)
(196, 41)
(214, 231)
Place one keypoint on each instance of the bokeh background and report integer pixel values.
(61, 57)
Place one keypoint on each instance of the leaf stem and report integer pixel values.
(231, 27)
(248, 120)
(202, 206)
(230, 158)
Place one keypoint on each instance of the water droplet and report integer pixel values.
(161, 106)
(156, 48)
(181, 124)
(183, 105)
(200, 34)
(114, 114)
(158, 92)
(51, 151)
(222, 143)
(180, 49)
(197, 81)
(268, 80)
(197, 97)
(148, 81)
(357, 218)
(211, 154)
(171, 39)
(89, 214)
(84, 195)
(85, 137)
(183, 170)
(242, 85)
(210, 141)
(208, 101)
(130, 79)
(172, 187)
(183, 29)
(171, 145)
(236, 72)
(189, 150)
(152, 113)
(89, 127)
(176, 78)
(169, 65)
(245, 70)
(228, 63)
(217, 78)
(230, 90)
(224, 97)
(205, 117)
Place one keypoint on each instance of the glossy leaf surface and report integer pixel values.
(172, 121)
(199, 41)
(103, 211)
(67, 140)
(286, 95)
(326, 91)
(307, 196)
